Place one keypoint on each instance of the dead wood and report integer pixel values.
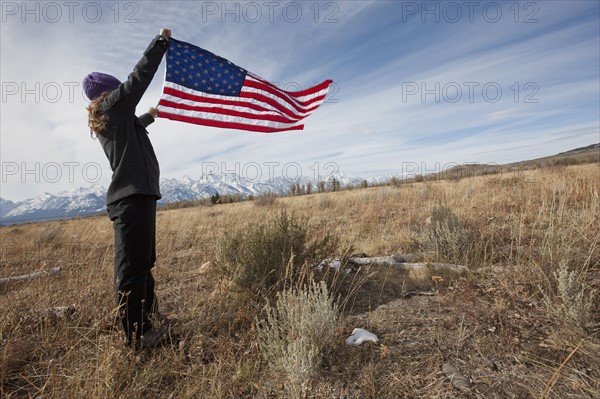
(28, 277)
(392, 261)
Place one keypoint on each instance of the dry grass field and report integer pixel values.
(522, 323)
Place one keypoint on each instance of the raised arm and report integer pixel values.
(132, 90)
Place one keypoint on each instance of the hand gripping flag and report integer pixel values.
(203, 88)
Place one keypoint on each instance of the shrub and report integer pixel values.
(446, 236)
(296, 332)
(265, 257)
(215, 198)
(49, 235)
(395, 182)
(576, 301)
(266, 199)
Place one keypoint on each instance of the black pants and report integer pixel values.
(134, 222)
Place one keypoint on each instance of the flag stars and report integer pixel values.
(203, 71)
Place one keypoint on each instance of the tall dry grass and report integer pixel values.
(531, 241)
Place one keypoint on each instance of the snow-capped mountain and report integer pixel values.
(67, 204)
(174, 190)
(6, 206)
(87, 201)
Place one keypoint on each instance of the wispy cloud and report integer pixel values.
(398, 77)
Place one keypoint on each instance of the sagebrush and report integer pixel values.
(296, 332)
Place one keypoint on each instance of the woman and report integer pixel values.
(134, 189)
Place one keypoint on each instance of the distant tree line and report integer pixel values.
(452, 174)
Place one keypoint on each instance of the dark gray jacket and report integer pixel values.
(125, 140)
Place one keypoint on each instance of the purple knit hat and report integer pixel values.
(97, 83)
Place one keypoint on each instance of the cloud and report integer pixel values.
(397, 84)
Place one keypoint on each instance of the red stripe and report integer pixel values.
(210, 100)
(256, 96)
(228, 125)
(301, 93)
(279, 93)
(225, 111)
(311, 90)
(276, 105)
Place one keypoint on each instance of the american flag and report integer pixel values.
(203, 88)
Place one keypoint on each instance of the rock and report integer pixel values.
(360, 335)
(456, 378)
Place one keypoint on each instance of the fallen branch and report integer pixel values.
(28, 277)
(410, 294)
(405, 266)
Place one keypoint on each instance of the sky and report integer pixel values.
(418, 86)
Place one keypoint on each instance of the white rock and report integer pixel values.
(336, 264)
(360, 335)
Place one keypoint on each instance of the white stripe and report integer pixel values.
(262, 104)
(281, 101)
(179, 100)
(246, 100)
(227, 118)
(308, 97)
(292, 99)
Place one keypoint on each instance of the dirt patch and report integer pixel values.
(504, 348)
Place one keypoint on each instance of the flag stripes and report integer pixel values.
(258, 106)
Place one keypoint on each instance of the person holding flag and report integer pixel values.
(134, 190)
(201, 88)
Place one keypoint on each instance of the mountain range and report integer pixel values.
(84, 201)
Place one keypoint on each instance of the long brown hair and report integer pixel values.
(97, 119)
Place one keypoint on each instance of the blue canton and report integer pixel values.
(201, 70)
